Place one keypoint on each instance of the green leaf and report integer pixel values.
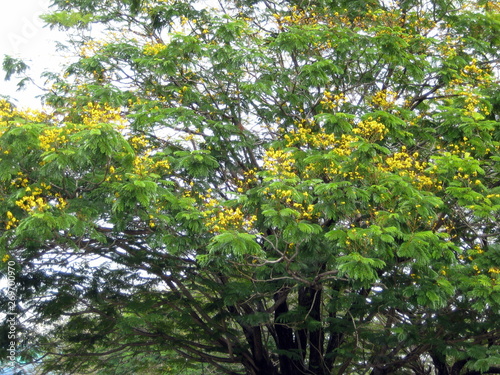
(233, 244)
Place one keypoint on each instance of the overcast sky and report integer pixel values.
(22, 35)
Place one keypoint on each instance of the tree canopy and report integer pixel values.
(262, 187)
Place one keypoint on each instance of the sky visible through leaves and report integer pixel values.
(23, 35)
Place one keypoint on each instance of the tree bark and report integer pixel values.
(285, 340)
(310, 299)
(439, 361)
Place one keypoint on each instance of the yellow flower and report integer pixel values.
(151, 49)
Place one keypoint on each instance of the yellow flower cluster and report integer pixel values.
(478, 249)
(491, 6)
(21, 181)
(5, 108)
(96, 113)
(51, 138)
(33, 115)
(403, 160)
(250, 179)
(112, 175)
(151, 221)
(33, 201)
(394, 18)
(138, 142)
(472, 253)
(334, 170)
(344, 145)
(476, 268)
(384, 99)
(11, 221)
(331, 101)
(305, 136)
(161, 165)
(471, 100)
(280, 194)
(297, 201)
(466, 177)
(459, 87)
(306, 211)
(453, 148)
(145, 164)
(61, 202)
(9, 114)
(482, 76)
(450, 46)
(91, 47)
(251, 176)
(228, 218)
(296, 16)
(471, 104)
(153, 49)
(371, 130)
(219, 218)
(39, 199)
(315, 16)
(408, 165)
(489, 196)
(279, 163)
(142, 164)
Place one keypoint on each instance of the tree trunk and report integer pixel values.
(439, 361)
(310, 300)
(285, 341)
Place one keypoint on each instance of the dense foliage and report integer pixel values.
(264, 187)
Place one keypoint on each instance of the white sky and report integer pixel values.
(23, 35)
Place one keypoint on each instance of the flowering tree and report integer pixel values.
(263, 187)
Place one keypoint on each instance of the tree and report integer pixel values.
(265, 187)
